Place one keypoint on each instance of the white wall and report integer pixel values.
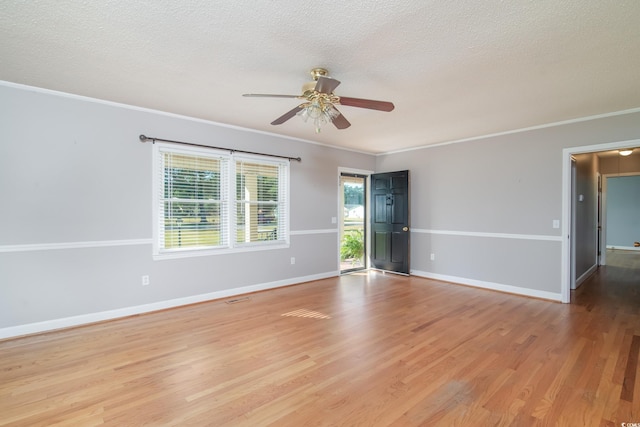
(75, 227)
(485, 208)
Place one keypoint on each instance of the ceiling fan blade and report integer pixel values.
(341, 122)
(286, 116)
(326, 84)
(367, 103)
(267, 95)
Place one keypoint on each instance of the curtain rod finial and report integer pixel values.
(143, 138)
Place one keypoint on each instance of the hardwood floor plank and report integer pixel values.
(629, 381)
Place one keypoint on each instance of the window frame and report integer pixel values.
(228, 202)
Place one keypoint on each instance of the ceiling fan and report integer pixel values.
(320, 102)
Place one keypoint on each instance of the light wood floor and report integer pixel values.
(358, 350)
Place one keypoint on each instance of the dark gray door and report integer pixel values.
(390, 221)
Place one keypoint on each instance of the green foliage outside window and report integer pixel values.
(352, 246)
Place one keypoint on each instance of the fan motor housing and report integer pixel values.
(315, 73)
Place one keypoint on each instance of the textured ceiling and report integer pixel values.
(453, 69)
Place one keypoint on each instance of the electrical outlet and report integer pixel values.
(293, 260)
(433, 257)
(556, 223)
(145, 280)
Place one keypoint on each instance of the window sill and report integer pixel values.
(190, 253)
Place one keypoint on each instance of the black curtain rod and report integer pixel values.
(144, 138)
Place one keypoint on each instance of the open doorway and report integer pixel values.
(353, 222)
(621, 214)
(584, 207)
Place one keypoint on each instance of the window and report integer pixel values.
(213, 202)
(259, 201)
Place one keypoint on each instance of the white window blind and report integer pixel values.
(207, 201)
(192, 203)
(261, 208)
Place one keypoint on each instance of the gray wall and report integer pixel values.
(586, 213)
(75, 228)
(485, 208)
(623, 211)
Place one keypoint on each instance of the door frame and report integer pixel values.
(566, 233)
(367, 213)
(572, 199)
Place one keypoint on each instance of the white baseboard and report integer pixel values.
(490, 285)
(624, 248)
(580, 280)
(84, 319)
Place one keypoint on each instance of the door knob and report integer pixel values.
(405, 228)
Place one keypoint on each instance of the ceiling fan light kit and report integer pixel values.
(320, 109)
(320, 102)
